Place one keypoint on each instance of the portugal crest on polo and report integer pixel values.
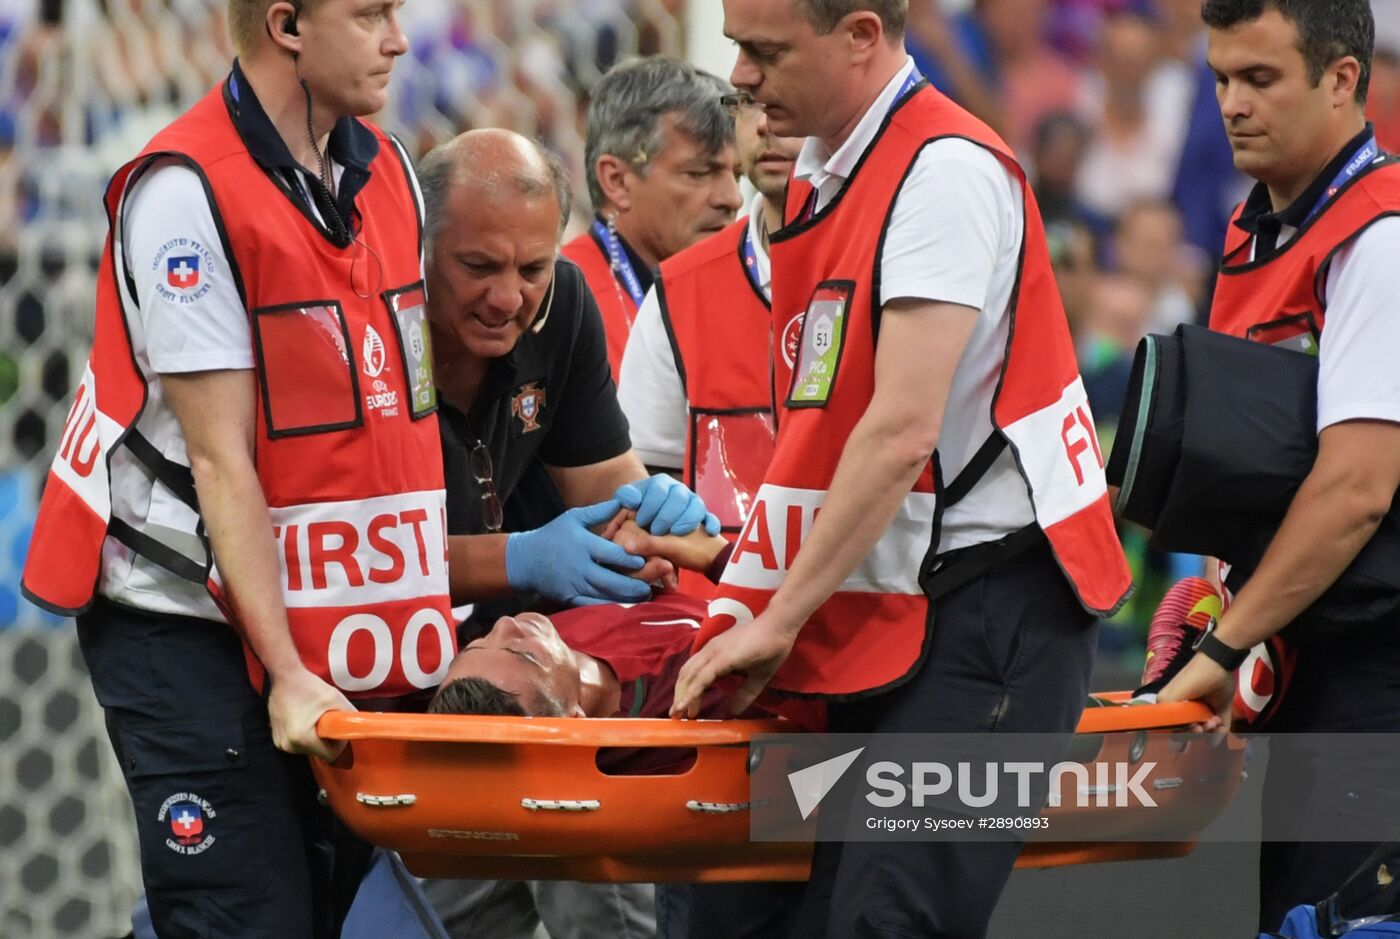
(527, 406)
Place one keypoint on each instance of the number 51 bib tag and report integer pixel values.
(819, 352)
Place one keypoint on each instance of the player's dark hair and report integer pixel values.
(478, 696)
(475, 696)
(1327, 30)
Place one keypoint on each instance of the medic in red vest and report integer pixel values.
(661, 174)
(344, 379)
(870, 633)
(696, 383)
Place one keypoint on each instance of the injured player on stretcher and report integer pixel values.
(610, 660)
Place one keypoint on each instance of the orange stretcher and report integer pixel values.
(523, 798)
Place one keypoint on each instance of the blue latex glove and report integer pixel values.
(665, 506)
(564, 561)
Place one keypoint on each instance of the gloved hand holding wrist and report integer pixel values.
(565, 561)
(666, 506)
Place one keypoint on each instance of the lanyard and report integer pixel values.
(809, 208)
(1364, 157)
(908, 86)
(751, 261)
(620, 262)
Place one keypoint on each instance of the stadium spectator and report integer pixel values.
(1118, 313)
(1205, 184)
(1149, 247)
(662, 174)
(935, 43)
(1136, 105)
(1075, 259)
(219, 373)
(1060, 142)
(1005, 42)
(1310, 263)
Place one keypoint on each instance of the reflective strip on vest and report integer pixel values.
(348, 554)
(781, 519)
(1070, 477)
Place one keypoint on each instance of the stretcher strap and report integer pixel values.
(561, 805)
(381, 802)
(717, 808)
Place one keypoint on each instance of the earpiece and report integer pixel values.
(289, 25)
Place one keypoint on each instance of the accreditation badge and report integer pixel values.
(409, 311)
(819, 349)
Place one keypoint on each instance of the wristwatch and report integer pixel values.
(1225, 656)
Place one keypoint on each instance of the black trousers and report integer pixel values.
(1339, 687)
(1011, 652)
(233, 841)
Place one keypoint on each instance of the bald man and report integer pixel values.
(522, 376)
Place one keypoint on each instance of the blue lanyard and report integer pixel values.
(620, 262)
(1364, 157)
(810, 207)
(908, 86)
(751, 261)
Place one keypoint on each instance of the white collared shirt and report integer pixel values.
(649, 385)
(827, 171)
(955, 237)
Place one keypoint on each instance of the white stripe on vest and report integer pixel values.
(1068, 472)
(361, 553)
(781, 518)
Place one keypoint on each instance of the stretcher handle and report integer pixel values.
(568, 731)
(1112, 719)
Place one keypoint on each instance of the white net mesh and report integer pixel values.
(83, 85)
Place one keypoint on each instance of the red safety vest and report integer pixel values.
(720, 330)
(1279, 299)
(872, 631)
(347, 444)
(617, 308)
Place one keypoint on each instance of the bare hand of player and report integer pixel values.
(657, 569)
(295, 704)
(755, 650)
(695, 551)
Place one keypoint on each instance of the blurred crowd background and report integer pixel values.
(1109, 103)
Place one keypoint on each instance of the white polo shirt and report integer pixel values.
(1357, 378)
(186, 316)
(649, 385)
(955, 237)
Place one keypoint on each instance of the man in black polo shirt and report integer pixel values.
(521, 370)
(523, 380)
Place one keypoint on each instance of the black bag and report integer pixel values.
(1216, 436)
